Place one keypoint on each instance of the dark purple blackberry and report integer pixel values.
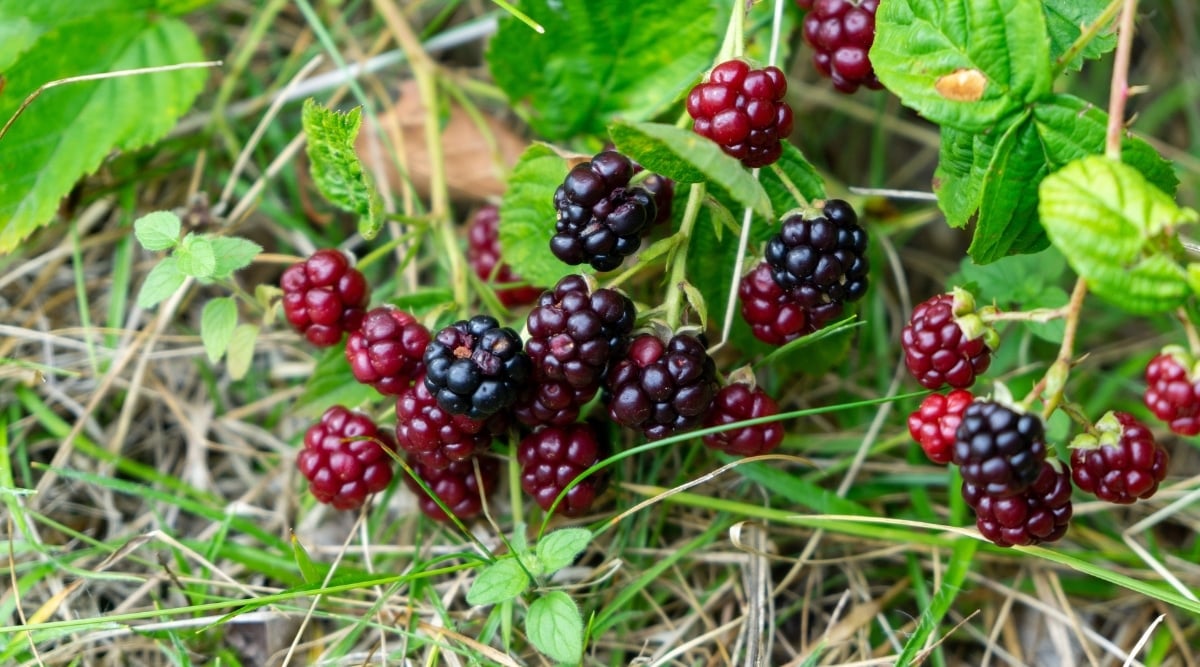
(457, 485)
(386, 350)
(434, 437)
(483, 254)
(1041, 513)
(662, 189)
(939, 349)
(476, 367)
(662, 389)
(552, 457)
(821, 259)
(550, 403)
(774, 314)
(999, 450)
(324, 297)
(600, 218)
(742, 109)
(344, 458)
(1121, 462)
(739, 402)
(842, 32)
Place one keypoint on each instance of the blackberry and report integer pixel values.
(1173, 390)
(934, 424)
(457, 485)
(662, 190)
(841, 33)
(820, 260)
(1121, 462)
(738, 402)
(946, 343)
(999, 450)
(435, 438)
(550, 403)
(743, 111)
(774, 315)
(476, 367)
(324, 297)
(552, 457)
(662, 388)
(1039, 514)
(484, 256)
(600, 218)
(344, 458)
(386, 350)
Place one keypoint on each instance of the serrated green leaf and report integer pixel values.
(962, 165)
(241, 350)
(158, 230)
(232, 253)
(1012, 280)
(336, 168)
(217, 323)
(307, 570)
(688, 157)
(331, 383)
(161, 282)
(527, 216)
(1065, 20)
(555, 627)
(963, 63)
(70, 129)
(498, 582)
(560, 548)
(196, 256)
(791, 172)
(600, 60)
(1008, 221)
(1113, 226)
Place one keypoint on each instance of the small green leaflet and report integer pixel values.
(527, 216)
(241, 350)
(217, 323)
(161, 282)
(561, 547)
(232, 253)
(498, 582)
(158, 230)
(555, 627)
(1065, 20)
(196, 256)
(335, 166)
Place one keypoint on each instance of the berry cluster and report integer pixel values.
(1173, 390)
(742, 110)
(324, 297)
(600, 216)
(841, 33)
(946, 342)
(662, 387)
(1120, 462)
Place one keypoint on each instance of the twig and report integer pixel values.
(1119, 89)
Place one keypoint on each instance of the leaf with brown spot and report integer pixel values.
(962, 85)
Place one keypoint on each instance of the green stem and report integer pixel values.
(734, 44)
(1089, 33)
(674, 304)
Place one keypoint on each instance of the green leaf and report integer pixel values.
(1013, 280)
(1116, 231)
(790, 176)
(1008, 221)
(963, 63)
(335, 165)
(217, 323)
(241, 350)
(600, 60)
(332, 383)
(69, 130)
(158, 230)
(196, 256)
(1065, 20)
(690, 158)
(962, 165)
(498, 582)
(161, 282)
(560, 548)
(527, 216)
(555, 627)
(232, 253)
(307, 569)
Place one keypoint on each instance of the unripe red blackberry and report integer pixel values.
(324, 297)
(457, 485)
(946, 342)
(552, 457)
(1173, 390)
(998, 449)
(934, 424)
(662, 388)
(820, 259)
(774, 314)
(737, 402)
(483, 254)
(841, 33)
(386, 350)
(600, 218)
(344, 458)
(743, 111)
(1039, 514)
(435, 438)
(476, 367)
(1120, 462)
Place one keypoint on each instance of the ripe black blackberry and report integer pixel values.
(1121, 462)
(600, 218)
(743, 111)
(344, 458)
(324, 297)
(1039, 514)
(435, 438)
(774, 314)
(738, 402)
(999, 450)
(820, 259)
(457, 485)
(946, 343)
(841, 33)
(483, 254)
(662, 388)
(476, 367)
(552, 457)
(386, 350)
